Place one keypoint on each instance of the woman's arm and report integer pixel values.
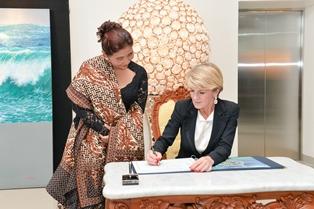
(224, 146)
(171, 130)
(167, 138)
(90, 119)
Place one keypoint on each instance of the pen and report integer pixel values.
(130, 168)
(194, 157)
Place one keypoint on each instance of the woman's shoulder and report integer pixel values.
(185, 108)
(229, 105)
(138, 69)
(97, 60)
(184, 104)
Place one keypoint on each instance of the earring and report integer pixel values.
(215, 100)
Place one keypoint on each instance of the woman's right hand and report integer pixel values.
(153, 157)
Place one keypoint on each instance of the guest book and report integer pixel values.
(182, 165)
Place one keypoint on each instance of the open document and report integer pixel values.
(182, 165)
(166, 166)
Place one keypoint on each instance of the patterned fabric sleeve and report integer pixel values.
(78, 91)
(143, 91)
(90, 119)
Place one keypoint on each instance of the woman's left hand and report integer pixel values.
(202, 164)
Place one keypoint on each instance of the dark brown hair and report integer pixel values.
(113, 37)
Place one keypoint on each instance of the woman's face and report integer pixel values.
(202, 98)
(121, 59)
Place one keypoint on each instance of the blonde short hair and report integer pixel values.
(204, 76)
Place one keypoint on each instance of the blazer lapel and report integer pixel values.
(190, 124)
(219, 123)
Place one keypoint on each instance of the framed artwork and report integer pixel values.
(25, 98)
(25, 67)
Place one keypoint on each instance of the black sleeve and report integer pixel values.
(170, 132)
(143, 91)
(223, 149)
(90, 119)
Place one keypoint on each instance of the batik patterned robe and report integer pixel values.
(77, 182)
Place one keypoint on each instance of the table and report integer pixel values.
(290, 187)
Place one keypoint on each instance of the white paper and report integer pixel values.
(166, 166)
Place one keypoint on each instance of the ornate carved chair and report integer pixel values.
(161, 112)
(147, 134)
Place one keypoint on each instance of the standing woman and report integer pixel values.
(207, 123)
(109, 95)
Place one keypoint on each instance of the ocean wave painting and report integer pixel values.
(25, 66)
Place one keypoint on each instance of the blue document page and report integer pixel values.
(246, 163)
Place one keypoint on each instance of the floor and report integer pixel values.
(27, 199)
(307, 163)
(36, 198)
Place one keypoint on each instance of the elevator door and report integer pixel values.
(269, 68)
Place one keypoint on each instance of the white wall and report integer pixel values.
(85, 18)
(220, 18)
(308, 85)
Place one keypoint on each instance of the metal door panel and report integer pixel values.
(251, 83)
(282, 58)
(269, 79)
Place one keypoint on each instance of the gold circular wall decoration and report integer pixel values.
(169, 38)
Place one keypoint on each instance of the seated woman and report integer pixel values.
(208, 124)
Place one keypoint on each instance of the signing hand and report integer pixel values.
(153, 157)
(202, 164)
